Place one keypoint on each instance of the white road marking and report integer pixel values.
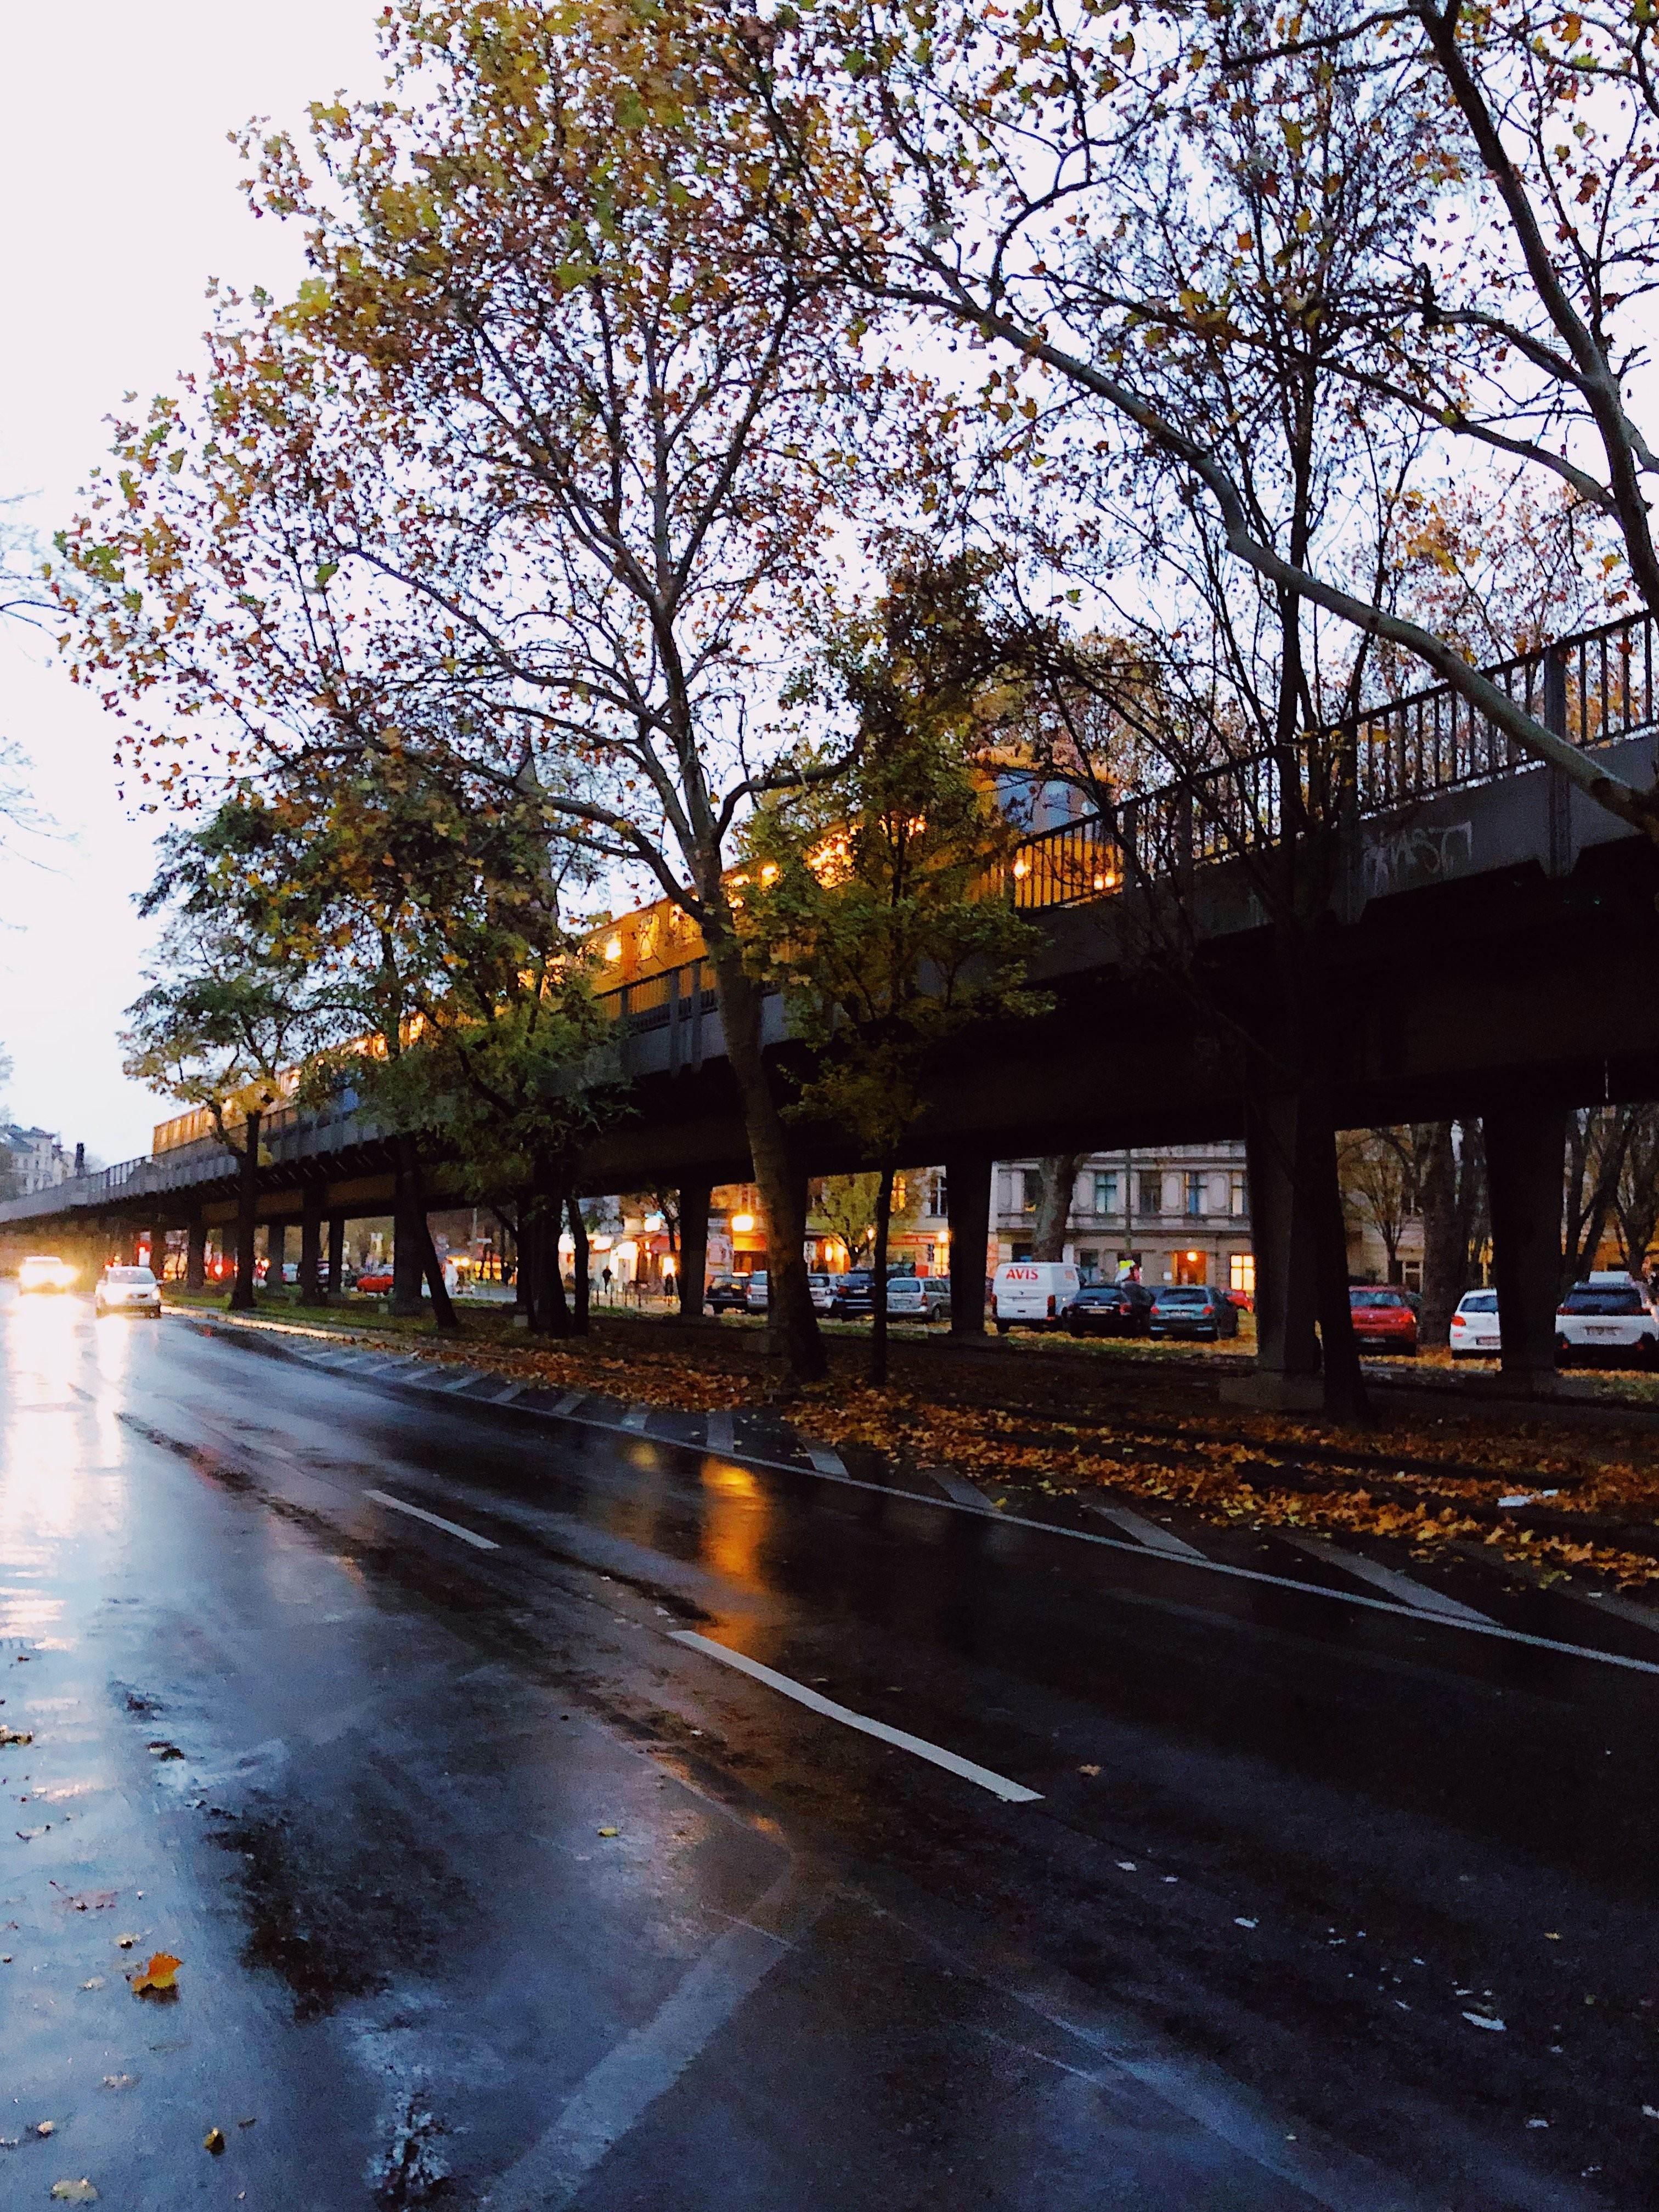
(628, 2079)
(570, 1401)
(1414, 1594)
(635, 1419)
(437, 1521)
(958, 1487)
(719, 1432)
(507, 1393)
(1011, 1793)
(826, 1459)
(1151, 1533)
(460, 1382)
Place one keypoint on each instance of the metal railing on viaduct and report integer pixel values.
(1394, 760)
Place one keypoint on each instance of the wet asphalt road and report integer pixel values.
(357, 1773)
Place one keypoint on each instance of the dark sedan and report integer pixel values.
(1108, 1310)
(728, 1294)
(1193, 1309)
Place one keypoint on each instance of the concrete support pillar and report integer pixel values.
(695, 1200)
(336, 1254)
(196, 1255)
(1526, 1149)
(968, 1200)
(409, 1247)
(311, 1240)
(1282, 1162)
(275, 1254)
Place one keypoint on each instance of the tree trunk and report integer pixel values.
(580, 1261)
(247, 1217)
(443, 1310)
(1443, 1237)
(878, 1287)
(695, 1200)
(541, 1282)
(196, 1254)
(1344, 1381)
(336, 1255)
(793, 1324)
(1057, 1186)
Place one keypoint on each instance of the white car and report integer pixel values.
(1611, 1315)
(40, 1273)
(758, 1298)
(1474, 1326)
(128, 1289)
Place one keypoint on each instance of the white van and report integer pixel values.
(1033, 1293)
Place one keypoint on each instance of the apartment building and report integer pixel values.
(1180, 1214)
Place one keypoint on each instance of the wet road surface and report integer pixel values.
(510, 1795)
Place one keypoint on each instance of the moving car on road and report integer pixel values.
(128, 1289)
(1474, 1333)
(1122, 1309)
(1384, 1319)
(1196, 1309)
(1607, 1317)
(38, 1273)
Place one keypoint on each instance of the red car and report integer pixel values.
(375, 1280)
(1384, 1319)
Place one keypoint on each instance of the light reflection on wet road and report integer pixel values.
(360, 1777)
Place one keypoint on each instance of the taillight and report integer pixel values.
(1051, 1305)
(1458, 1321)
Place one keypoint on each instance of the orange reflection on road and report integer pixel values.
(735, 1522)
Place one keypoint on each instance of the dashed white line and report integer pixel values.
(826, 1459)
(1011, 1793)
(634, 1419)
(958, 1487)
(436, 1519)
(1149, 1532)
(1411, 1592)
(719, 1432)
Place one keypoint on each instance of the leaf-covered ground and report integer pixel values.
(1444, 1469)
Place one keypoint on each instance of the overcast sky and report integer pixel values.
(119, 191)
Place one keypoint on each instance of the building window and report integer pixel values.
(1238, 1195)
(1105, 1194)
(1241, 1270)
(1031, 1189)
(1152, 1193)
(1192, 1267)
(1088, 1265)
(1195, 1195)
(939, 1204)
(1022, 1251)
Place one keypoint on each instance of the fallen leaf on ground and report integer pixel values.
(1088, 1769)
(17, 1736)
(1480, 2019)
(28, 1835)
(45, 2127)
(125, 1942)
(608, 1832)
(96, 1983)
(74, 2192)
(120, 2080)
(214, 2140)
(165, 1751)
(159, 1977)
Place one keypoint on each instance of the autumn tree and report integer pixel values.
(542, 458)
(999, 162)
(1381, 1179)
(873, 901)
(1636, 1209)
(222, 1029)
(1056, 1188)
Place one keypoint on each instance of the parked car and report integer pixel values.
(38, 1273)
(1384, 1319)
(728, 1294)
(758, 1297)
(1032, 1293)
(376, 1281)
(823, 1288)
(1123, 1309)
(1193, 1309)
(850, 1298)
(1474, 1333)
(128, 1289)
(916, 1297)
(1609, 1316)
